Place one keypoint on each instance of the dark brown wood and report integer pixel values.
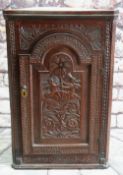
(60, 75)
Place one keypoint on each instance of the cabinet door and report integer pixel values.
(60, 98)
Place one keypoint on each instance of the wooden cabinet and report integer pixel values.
(60, 73)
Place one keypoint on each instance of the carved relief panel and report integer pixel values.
(60, 92)
(61, 99)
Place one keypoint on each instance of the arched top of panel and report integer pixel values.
(65, 42)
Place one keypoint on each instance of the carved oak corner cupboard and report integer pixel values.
(60, 73)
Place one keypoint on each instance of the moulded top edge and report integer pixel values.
(50, 11)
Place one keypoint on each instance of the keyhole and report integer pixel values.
(24, 92)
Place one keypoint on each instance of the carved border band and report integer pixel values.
(105, 100)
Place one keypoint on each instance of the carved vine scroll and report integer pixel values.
(61, 99)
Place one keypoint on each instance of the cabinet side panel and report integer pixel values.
(13, 72)
(106, 94)
(112, 48)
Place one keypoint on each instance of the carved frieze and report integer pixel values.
(30, 34)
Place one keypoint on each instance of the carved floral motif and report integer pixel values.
(61, 101)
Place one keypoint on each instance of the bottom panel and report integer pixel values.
(56, 162)
(62, 159)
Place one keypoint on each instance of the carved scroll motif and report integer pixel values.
(61, 99)
(30, 34)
